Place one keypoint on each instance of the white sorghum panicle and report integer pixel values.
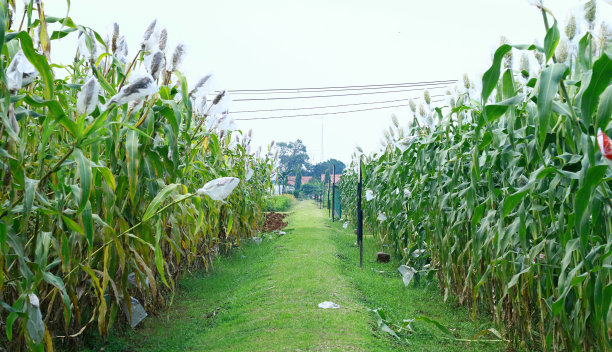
(115, 37)
(570, 28)
(163, 39)
(139, 88)
(562, 51)
(177, 57)
(590, 12)
(156, 65)
(525, 66)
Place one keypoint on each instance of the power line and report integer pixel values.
(334, 88)
(333, 95)
(331, 106)
(328, 113)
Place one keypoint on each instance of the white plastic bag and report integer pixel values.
(328, 305)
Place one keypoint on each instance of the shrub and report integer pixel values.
(279, 203)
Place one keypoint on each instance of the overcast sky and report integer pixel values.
(317, 43)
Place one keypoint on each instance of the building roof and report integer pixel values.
(306, 179)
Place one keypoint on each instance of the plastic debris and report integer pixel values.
(219, 188)
(345, 225)
(369, 195)
(407, 273)
(328, 305)
(281, 233)
(138, 312)
(418, 252)
(381, 217)
(257, 240)
(132, 280)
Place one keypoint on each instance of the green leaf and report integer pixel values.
(159, 259)
(158, 200)
(30, 191)
(511, 201)
(59, 284)
(73, 225)
(494, 111)
(85, 175)
(108, 176)
(39, 61)
(600, 79)
(131, 144)
(604, 110)
(549, 85)
(551, 40)
(88, 224)
(491, 76)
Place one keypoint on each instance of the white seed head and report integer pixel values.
(562, 51)
(156, 64)
(177, 57)
(20, 72)
(163, 39)
(87, 99)
(466, 81)
(427, 97)
(149, 31)
(525, 66)
(202, 87)
(115, 37)
(590, 12)
(570, 27)
(138, 88)
(412, 105)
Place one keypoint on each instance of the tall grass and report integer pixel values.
(102, 172)
(509, 195)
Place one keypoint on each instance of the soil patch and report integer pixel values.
(274, 221)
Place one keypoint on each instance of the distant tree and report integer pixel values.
(320, 168)
(292, 154)
(327, 177)
(311, 188)
(298, 180)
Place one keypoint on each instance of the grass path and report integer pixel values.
(264, 298)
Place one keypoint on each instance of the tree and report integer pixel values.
(298, 180)
(313, 187)
(320, 168)
(292, 154)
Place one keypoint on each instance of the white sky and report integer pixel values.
(315, 43)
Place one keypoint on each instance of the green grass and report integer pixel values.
(265, 298)
(379, 285)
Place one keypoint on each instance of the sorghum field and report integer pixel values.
(506, 196)
(122, 187)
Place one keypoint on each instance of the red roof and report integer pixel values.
(306, 179)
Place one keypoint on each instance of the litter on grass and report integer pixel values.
(257, 240)
(407, 273)
(329, 305)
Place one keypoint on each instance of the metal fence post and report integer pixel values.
(333, 191)
(328, 200)
(359, 218)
